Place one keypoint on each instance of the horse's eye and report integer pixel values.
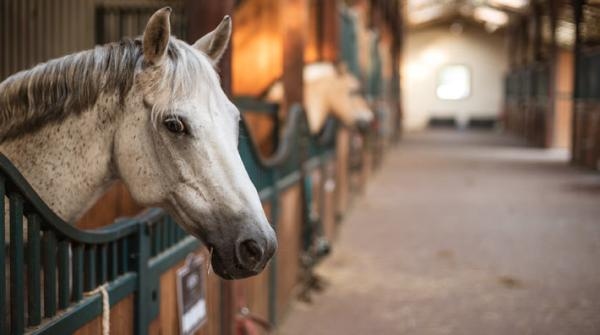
(174, 125)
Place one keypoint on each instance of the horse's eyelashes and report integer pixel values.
(175, 125)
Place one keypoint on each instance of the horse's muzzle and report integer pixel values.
(248, 257)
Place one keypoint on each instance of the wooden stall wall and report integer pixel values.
(563, 99)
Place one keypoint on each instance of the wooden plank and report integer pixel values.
(288, 235)
(330, 17)
(294, 30)
(121, 320)
(116, 202)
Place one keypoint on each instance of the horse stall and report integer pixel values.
(529, 84)
(117, 269)
(586, 123)
(551, 90)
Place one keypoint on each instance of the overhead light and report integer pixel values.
(565, 33)
(491, 16)
(516, 4)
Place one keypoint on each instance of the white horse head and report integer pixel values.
(330, 89)
(171, 135)
(177, 148)
(352, 103)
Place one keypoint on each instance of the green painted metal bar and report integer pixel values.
(90, 268)
(142, 298)
(49, 254)
(34, 314)
(88, 309)
(77, 272)
(114, 261)
(255, 105)
(165, 233)
(170, 232)
(63, 274)
(17, 290)
(171, 257)
(102, 264)
(3, 311)
(155, 238)
(124, 256)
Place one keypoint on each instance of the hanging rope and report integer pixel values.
(105, 307)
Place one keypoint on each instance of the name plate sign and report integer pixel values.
(191, 294)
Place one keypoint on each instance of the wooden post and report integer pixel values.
(578, 18)
(537, 32)
(293, 29)
(398, 31)
(203, 17)
(330, 33)
(551, 122)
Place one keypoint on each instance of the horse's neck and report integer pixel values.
(68, 163)
(315, 102)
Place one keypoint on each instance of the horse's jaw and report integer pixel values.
(224, 228)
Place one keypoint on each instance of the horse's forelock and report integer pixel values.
(186, 75)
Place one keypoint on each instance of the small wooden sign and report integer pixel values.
(191, 294)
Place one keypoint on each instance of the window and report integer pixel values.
(454, 82)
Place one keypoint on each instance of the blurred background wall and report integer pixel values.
(428, 50)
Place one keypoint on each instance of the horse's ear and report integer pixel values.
(156, 36)
(215, 43)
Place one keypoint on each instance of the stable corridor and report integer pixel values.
(464, 233)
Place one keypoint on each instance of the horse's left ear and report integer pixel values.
(156, 36)
(215, 43)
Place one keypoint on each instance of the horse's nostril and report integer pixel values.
(250, 254)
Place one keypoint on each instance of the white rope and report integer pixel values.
(105, 307)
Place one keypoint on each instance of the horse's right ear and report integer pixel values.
(215, 43)
(156, 36)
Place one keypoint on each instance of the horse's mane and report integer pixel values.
(52, 91)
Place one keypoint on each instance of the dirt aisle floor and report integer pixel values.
(464, 233)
